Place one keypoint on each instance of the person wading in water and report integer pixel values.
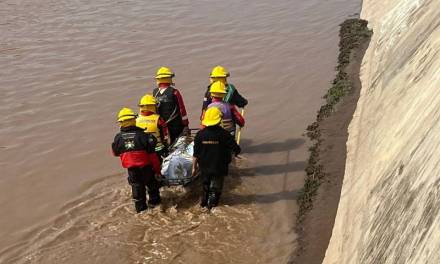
(135, 148)
(232, 95)
(153, 124)
(171, 107)
(230, 115)
(213, 147)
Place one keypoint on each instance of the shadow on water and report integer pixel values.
(273, 169)
(287, 145)
(234, 180)
(283, 169)
(236, 199)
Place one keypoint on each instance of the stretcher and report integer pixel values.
(177, 166)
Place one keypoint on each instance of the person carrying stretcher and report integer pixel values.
(153, 124)
(170, 104)
(232, 96)
(135, 148)
(230, 115)
(213, 147)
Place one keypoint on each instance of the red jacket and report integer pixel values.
(135, 148)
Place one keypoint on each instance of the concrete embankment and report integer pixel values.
(390, 199)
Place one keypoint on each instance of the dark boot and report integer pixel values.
(205, 194)
(153, 199)
(138, 191)
(204, 200)
(213, 199)
(215, 189)
(153, 187)
(140, 206)
(217, 199)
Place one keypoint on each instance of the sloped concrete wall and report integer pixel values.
(389, 210)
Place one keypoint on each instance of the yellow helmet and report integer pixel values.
(212, 117)
(164, 72)
(218, 87)
(218, 72)
(147, 99)
(126, 114)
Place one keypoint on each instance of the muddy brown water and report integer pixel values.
(66, 67)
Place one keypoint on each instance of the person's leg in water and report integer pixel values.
(206, 182)
(215, 190)
(138, 190)
(153, 186)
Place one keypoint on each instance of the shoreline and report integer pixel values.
(319, 198)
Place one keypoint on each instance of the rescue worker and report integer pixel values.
(136, 151)
(153, 124)
(232, 96)
(170, 104)
(230, 114)
(213, 147)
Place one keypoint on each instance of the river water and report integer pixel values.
(67, 67)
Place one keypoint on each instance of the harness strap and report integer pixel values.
(173, 114)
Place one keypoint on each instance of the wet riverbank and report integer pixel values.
(320, 196)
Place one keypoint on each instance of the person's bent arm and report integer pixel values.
(155, 163)
(238, 118)
(115, 147)
(150, 145)
(182, 108)
(195, 166)
(196, 154)
(164, 132)
(231, 144)
(238, 100)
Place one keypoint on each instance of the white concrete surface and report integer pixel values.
(390, 203)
